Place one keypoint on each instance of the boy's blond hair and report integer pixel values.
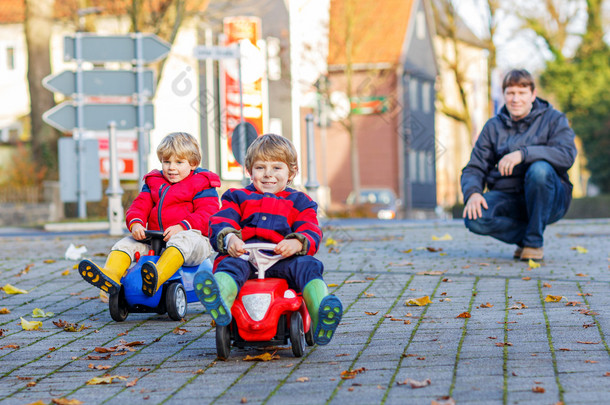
(272, 148)
(181, 145)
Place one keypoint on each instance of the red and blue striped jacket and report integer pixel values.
(162, 204)
(266, 217)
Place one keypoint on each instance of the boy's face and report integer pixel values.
(176, 169)
(270, 177)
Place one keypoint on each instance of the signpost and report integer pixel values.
(103, 96)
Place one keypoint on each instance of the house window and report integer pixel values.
(10, 58)
(426, 105)
(413, 87)
(420, 25)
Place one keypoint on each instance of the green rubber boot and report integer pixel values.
(325, 310)
(217, 293)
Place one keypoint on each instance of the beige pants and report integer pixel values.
(194, 247)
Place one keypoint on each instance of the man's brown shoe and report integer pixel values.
(517, 254)
(532, 253)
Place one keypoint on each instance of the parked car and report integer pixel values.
(379, 203)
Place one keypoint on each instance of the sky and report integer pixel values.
(516, 48)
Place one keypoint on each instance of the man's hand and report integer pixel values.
(171, 231)
(137, 231)
(235, 247)
(508, 162)
(472, 209)
(288, 247)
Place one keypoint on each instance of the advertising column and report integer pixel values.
(246, 31)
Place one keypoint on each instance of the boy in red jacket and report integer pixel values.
(268, 211)
(179, 201)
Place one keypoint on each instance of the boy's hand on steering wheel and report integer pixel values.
(171, 231)
(137, 231)
(288, 247)
(235, 247)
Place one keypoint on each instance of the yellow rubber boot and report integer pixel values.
(154, 275)
(109, 277)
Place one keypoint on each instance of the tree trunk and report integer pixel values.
(38, 26)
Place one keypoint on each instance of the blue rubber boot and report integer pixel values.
(217, 293)
(325, 310)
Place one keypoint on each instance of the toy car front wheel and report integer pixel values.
(223, 342)
(175, 301)
(118, 306)
(297, 337)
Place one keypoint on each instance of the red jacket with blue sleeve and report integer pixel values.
(162, 204)
(266, 217)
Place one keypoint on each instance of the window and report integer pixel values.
(10, 58)
(420, 25)
(426, 105)
(413, 87)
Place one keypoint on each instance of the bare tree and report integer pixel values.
(38, 24)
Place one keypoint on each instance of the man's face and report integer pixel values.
(519, 101)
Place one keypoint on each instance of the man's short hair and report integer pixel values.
(181, 145)
(272, 148)
(518, 77)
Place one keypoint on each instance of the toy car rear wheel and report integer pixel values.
(297, 337)
(309, 336)
(118, 306)
(223, 342)
(175, 301)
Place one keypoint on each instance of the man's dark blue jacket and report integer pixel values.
(544, 134)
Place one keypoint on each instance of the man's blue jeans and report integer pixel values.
(520, 218)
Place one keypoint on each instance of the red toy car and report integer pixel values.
(266, 312)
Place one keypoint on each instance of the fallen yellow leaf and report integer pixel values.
(105, 379)
(9, 289)
(27, 325)
(4, 311)
(554, 298)
(444, 237)
(39, 313)
(75, 267)
(330, 242)
(580, 249)
(262, 357)
(420, 302)
(66, 401)
(103, 296)
(533, 264)
(66, 272)
(464, 315)
(48, 261)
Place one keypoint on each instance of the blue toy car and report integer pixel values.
(172, 297)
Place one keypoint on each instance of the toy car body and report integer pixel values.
(172, 297)
(266, 312)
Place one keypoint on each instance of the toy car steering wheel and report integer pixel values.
(259, 258)
(156, 241)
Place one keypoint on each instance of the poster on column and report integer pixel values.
(246, 31)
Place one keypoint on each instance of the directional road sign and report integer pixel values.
(100, 82)
(216, 52)
(116, 48)
(97, 116)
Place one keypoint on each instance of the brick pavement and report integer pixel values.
(513, 344)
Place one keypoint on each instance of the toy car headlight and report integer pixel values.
(256, 305)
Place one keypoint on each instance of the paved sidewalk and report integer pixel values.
(516, 348)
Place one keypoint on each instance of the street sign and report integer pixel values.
(216, 52)
(68, 159)
(116, 48)
(97, 116)
(99, 82)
